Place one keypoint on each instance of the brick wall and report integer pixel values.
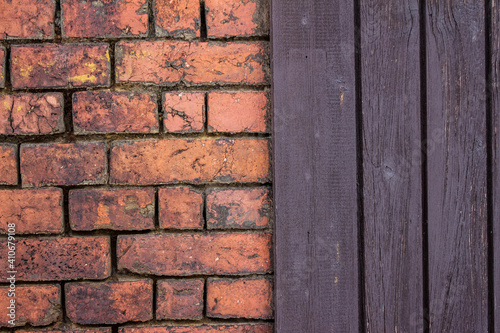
(135, 166)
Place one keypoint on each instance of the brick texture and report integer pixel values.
(180, 299)
(36, 305)
(183, 112)
(112, 112)
(31, 113)
(2, 66)
(234, 328)
(241, 298)
(31, 19)
(181, 208)
(189, 254)
(117, 18)
(8, 164)
(37, 211)
(92, 330)
(178, 18)
(109, 302)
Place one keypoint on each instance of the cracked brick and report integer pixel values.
(183, 112)
(8, 164)
(30, 19)
(178, 18)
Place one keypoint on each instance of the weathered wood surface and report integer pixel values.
(456, 162)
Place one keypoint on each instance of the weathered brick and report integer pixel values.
(118, 18)
(188, 254)
(237, 17)
(60, 66)
(194, 160)
(111, 112)
(179, 18)
(63, 163)
(238, 208)
(8, 164)
(171, 62)
(2, 67)
(183, 112)
(180, 299)
(180, 208)
(109, 302)
(239, 298)
(92, 330)
(31, 113)
(235, 328)
(37, 305)
(56, 259)
(32, 211)
(238, 112)
(128, 209)
(27, 19)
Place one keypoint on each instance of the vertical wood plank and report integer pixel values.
(457, 170)
(316, 267)
(392, 165)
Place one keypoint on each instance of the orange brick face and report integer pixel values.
(32, 19)
(180, 299)
(181, 208)
(2, 67)
(104, 18)
(179, 18)
(8, 164)
(235, 328)
(183, 112)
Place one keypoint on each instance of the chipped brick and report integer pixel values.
(178, 18)
(30, 19)
(183, 112)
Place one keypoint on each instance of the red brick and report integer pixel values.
(32, 211)
(180, 299)
(2, 67)
(109, 302)
(112, 112)
(8, 164)
(60, 66)
(235, 328)
(183, 112)
(56, 259)
(63, 163)
(171, 62)
(180, 208)
(31, 113)
(189, 254)
(27, 19)
(37, 305)
(92, 330)
(237, 17)
(241, 298)
(117, 18)
(194, 160)
(179, 18)
(128, 209)
(238, 112)
(238, 209)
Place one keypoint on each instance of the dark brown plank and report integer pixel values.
(392, 165)
(457, 171)
(315, 166)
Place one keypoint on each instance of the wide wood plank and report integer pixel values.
(457, 171)
(392, 165)
(315, 166)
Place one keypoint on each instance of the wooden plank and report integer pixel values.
(315, 166)
(457, 171)
(392, 165)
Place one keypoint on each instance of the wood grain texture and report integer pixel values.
(392, 165)
(457, 171)
(316, 258)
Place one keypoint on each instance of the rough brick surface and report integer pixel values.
(92, 330)
(179, 18)
(237, 17)
(60, 65)
(8, 164)
(236, 328)
(32, 211)
(188, 254)
(183, 112)
(31, 113)
(238, 209)
(2, 67)
(197, 161)
(239, 298)
(64, 164)
(194, 63)
(109, 302)
(118, 18)
(238, 112)
(56, 259)
(180, 208)
(128, 209)
(180, 299)
(27, 19)
(37, 305)
(111, 112)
